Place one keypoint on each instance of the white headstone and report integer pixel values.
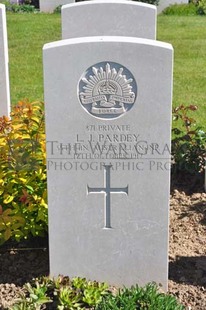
(108, 114)
(165, 3)
(4, 71)
(110, 18)
(48, 6)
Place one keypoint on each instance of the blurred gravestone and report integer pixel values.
(48, 6)
(111, 18)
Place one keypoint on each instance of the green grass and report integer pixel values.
(29, 32)
(187, 35)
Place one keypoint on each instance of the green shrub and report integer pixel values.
(61, 293)
(181, 9)
(65, 293)
(188, 142)
(20, 8)
(137, 298)
(36, 297)
(23, 195)
(201, 7)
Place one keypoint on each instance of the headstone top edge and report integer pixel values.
(2, 6)
(99, 39)
(94, 2)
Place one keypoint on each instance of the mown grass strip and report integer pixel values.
(28, 33)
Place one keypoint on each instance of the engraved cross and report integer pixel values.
(107, 190)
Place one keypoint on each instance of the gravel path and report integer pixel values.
(187, 255)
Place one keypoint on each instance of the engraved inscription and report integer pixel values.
(107, 190)
(107, 90)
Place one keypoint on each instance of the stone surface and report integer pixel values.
(110, 18)
(4, 71)
(48, 6)
(108, 113)
(165, 3)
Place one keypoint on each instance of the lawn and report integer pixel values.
(187, 34)
(28, 33)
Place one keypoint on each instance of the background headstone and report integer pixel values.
(110, 18)
(48, 6)
(108, 114)
(165, 3)
(4, 71)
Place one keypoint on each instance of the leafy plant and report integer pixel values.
(137, 298)
(181, 9)
(36, 297)
(22, 7)
(62, 293)
(69, 299)
(23, 194)
(78, 293)
(188, 143)
(201, 7)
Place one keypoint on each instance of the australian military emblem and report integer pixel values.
(107, 90)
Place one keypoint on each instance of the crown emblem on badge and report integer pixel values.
(107, 90)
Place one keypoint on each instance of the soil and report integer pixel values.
(187, 254)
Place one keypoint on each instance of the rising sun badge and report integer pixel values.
(107, 90)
